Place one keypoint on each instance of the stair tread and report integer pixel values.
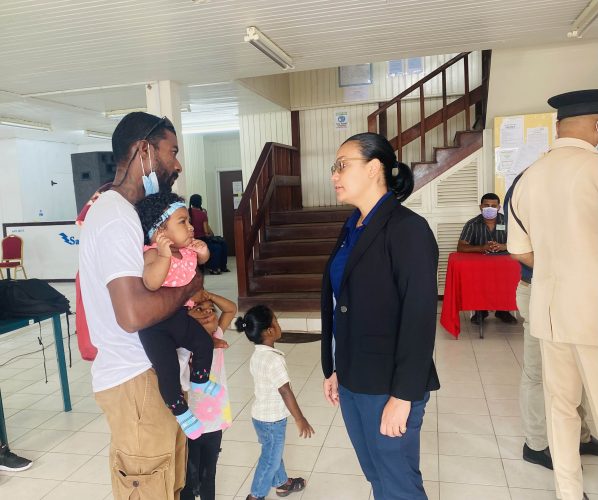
(298, 295)
(289, 276)
(317, 209)
(304, 225)
(292, 258)
(302, 240)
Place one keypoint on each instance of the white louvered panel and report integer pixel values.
(460, 187)
(447, 236)
(415, 202)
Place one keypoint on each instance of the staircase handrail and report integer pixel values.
(277, 167)
(377, 120)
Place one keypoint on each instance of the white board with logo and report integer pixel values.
(51, 249)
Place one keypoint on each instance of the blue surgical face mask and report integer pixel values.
(150, 182)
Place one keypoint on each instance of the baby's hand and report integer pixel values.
(164, 243)
(201, 249)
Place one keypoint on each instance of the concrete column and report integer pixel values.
(164, 99)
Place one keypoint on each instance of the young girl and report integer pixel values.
(274, 401)
(215, 413)
(170, 259)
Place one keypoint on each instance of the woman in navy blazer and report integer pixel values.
(379, 300)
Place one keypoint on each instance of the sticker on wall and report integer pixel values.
(341, 119)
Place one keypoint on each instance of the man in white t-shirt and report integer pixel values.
(147, 450)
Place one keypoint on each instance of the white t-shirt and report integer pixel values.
(111, 246)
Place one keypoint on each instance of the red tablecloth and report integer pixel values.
(477, 282)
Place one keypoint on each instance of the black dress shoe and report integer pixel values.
(589, 448)
(478, 316)
(541, 457)
(506, 317)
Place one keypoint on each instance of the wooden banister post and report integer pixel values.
(373, 123)
(466, 95)
(382, 120)
(422, 124)
(444, 110)
(399, 132)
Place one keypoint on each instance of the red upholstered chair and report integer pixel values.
(12, 255)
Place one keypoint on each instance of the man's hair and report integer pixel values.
(490, 196)
(135, 127)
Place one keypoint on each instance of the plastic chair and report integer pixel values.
(12, 256)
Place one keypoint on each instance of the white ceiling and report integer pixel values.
(57, 47)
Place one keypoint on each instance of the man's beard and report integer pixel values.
(165, 181)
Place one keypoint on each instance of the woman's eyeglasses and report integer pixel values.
(340, 164)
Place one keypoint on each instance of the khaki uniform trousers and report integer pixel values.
(148, 450)
(566, 370)
(531, 390)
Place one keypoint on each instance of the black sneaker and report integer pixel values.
(589, 448)
(478, 316)
(11, 462)
(541, 457)
(506, 317)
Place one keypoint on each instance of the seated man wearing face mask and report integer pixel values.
(486, 233)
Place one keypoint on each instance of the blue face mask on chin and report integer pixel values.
(150, 182)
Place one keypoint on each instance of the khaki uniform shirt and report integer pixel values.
(556, 200)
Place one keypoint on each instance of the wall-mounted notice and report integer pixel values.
(511, 132)
(341, 120)
(237, 187)
(519, 141)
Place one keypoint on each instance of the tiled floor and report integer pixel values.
(471, 439)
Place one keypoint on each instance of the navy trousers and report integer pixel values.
(390, 464)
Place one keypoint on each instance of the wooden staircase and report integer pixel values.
(282, 248)
(287, 274)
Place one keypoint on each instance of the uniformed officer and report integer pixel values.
(554, 206)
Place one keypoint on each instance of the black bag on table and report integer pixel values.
(33, 297)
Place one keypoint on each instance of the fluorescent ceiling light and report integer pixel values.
(117, 114)
(97, 135)
(209, 84)
(120, 113)
(584, 20)
(16, 122)
(267, 47)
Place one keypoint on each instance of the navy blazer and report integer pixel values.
(385, 319)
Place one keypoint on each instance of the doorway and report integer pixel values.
(231, 189)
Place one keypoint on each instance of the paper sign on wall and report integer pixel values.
(341, 119)
(511, 132)
(237, 187)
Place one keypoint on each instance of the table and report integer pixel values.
(10, 325)
(478, 282)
